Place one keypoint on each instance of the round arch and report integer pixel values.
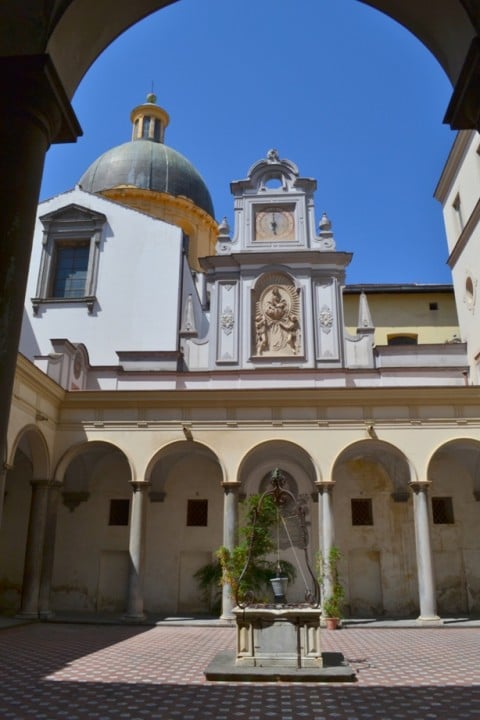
(266, 456)
(76, 34)
(175, 450)
(33, 444)
(461, 451)
(394, 462)
(90, 446)
(453, 472)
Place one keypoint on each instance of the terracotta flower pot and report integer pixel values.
(331, 623)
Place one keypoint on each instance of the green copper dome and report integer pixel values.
(148, 165)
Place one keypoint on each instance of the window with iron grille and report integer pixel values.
(119, 512)
(197, 513)
(442, 510)
(362, 511)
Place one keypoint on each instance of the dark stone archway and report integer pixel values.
(46, 46)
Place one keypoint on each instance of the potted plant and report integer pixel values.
(333, 599)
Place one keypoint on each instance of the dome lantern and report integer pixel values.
(149, 120)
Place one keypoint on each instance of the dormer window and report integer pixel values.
(70, 256)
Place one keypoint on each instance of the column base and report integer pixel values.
(429, 620)
(137, 618)
(27, 615)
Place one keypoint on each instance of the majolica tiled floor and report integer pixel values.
(73, 672)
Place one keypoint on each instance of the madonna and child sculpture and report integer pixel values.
(277, 326)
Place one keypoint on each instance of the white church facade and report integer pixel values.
(168, 364)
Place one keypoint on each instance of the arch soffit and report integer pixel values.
(75, 32)
(39, 452)
(386, 454)
(269, 454)
(433, 24)
(85, 447)
(180, 447)
(467, 450)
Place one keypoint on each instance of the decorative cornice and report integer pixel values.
(454, 160)
(35, 379)
(276, 397)
(465, 236)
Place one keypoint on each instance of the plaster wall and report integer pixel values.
(465, 270)
(137, 306)
(461, 181)
(456, 546)
(459, 192)
(174, 550)
(377, 558)
(89, 550)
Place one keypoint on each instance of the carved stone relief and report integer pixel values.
(227, 321)
(277, 318)
(325, 317)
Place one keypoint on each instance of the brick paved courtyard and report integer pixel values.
(73, 671)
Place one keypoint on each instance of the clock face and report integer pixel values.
(274, 223)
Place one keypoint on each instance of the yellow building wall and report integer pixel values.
(407, 314)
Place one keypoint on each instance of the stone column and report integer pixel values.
(49, 549)
(230, 533)
(34, 550)
(327, 527)
(426, 579)
(136, 551)
(35, 112)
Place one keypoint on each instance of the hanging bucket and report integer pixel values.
(279, 587)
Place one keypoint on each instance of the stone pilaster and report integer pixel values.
(34, 550)
(230, 533)
(426, 578)
(136, 551)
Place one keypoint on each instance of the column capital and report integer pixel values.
(140, 485)
(325, 486)
(419, 485)
(44, 97)
(40, 482)
(231, 487)
(55, 484)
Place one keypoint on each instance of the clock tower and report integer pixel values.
(276, 284)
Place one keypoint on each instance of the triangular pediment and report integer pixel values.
(73, 213)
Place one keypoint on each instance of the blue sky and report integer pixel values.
(342, 90)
